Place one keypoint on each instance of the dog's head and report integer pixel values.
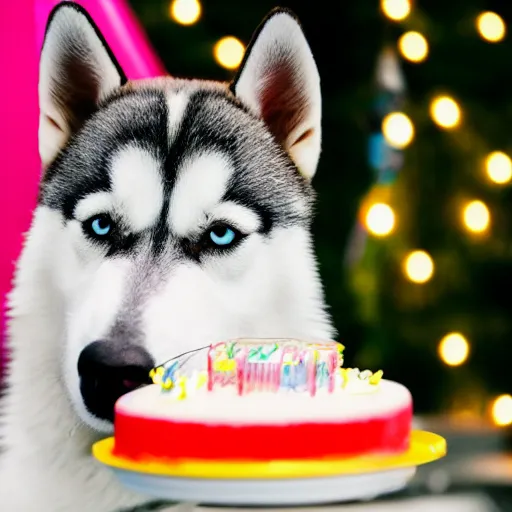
(179, 210)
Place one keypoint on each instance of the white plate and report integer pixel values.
(265, 492)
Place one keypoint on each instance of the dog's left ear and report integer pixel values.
(278, 80)
(77, 70)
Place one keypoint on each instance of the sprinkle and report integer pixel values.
(274, 348)
(156, 371)
(376, 377)
(156, 375)
(255, 354)
(344, 376)
(225, 365)
(201, 379)
(365, 375)
(167, 384)
(353, 372)
(182, 385)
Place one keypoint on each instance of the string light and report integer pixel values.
(396, 10)
(445, 112)
(380, 219)
(453, 349)
(498, 166)
(185, 12)
(418, 267)
(229, 52)
(398, 130)
(476, 216)
(413, 46)
(491, 27)
(502, 410)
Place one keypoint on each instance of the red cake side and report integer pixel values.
(213, 426)
(141, 439)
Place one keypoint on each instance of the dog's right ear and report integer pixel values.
(278, 80)
(77, 70)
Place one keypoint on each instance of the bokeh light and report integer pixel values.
(501, 410)
(498, 166)
(398, 130)
(453, 349)
(445, 112)
(185, 12)
(229, 52)
(476, 216)
(491, 27)
(380, 219)
(418, 267)
(396, 10)
(413, 46)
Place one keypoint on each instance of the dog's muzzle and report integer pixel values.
(108, 370)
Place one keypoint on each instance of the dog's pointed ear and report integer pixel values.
(77, 70)
(278, 80)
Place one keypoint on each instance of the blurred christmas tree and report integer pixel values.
(433, 276)
(431, 254)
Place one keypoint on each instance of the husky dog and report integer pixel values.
(172, 214)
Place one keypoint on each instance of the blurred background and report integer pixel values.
(414, 226)
(414, 214)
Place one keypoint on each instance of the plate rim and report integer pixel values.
(291, 492)
(424, 447)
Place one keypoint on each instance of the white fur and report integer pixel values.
(236, 215)
(95, 306)
(46, 466)
(93, 204)
(201, 184)
(177, 104)
(137, 186)
(137, 193)
(281, 41)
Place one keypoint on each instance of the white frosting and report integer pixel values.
(225, 406)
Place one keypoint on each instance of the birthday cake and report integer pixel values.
(262, 400)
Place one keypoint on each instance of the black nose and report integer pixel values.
(107, 371)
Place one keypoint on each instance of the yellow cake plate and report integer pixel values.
(424, 447)
(279, 482)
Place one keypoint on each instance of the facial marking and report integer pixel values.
(202, 182)
(241, 217)
(177, 104)
(137, 187)
(93, 204)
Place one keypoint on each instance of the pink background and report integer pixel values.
(22, 26)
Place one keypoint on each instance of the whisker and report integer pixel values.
(181, 355)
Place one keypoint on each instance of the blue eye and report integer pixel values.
(222, 236)
(100, 226)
